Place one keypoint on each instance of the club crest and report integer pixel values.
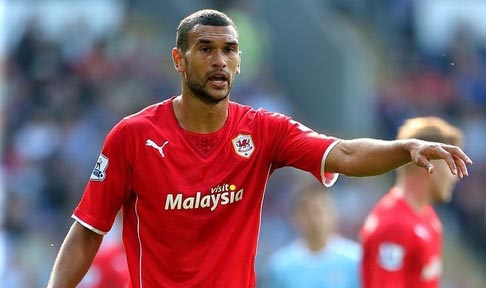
(243, 145)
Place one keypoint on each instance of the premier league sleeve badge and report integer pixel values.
(99, 173)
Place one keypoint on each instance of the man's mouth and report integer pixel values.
(218, 80)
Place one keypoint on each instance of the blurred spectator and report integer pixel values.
(319, 257)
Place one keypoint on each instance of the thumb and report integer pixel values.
(424, 162)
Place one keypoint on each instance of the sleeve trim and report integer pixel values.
(328, 179)
(88, 226)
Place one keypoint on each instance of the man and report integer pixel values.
(189, 173)
(319, 257)
(402, 236)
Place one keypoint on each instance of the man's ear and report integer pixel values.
(178, 59)
(238, 68)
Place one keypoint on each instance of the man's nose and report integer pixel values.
(219, 59)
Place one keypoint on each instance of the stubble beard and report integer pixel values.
(200, 92)
(443, 195)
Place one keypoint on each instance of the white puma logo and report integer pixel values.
(159, 148)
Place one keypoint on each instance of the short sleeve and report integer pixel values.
(301, 147)
(109, 184)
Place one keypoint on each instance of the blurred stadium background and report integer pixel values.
(69, 70)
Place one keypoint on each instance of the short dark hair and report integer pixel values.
(204, 17)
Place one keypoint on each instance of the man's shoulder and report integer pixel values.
(150, 116)
(390, 218)
(286, 254)
(245, 110)
(388, 205)
(346, 248)
(155, 110)
(242, 110)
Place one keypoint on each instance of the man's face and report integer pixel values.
(443, 182)
(315, 215)
(211, 62)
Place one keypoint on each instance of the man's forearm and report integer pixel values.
(75, 257)
(367, 157)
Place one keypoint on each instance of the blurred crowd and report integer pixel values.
(63, 96)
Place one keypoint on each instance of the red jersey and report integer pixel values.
(191, 215)
(401, 248)
(109, 268)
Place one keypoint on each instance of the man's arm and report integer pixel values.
(75, 257)
(367, 157)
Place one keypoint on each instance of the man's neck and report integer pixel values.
(196, 116)
(414, 192)
(316, 243)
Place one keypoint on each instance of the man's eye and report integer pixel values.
(205, 49)
(230, 49)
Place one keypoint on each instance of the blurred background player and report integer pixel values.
(402, 236)
(109, 268)
(319, 257)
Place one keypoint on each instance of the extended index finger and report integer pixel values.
(449, 158)
(461, 165)
(460, 158)
(457, 152)
(440, 152)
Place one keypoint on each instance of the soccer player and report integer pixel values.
(402, 236)
(189, 173)
(319, 257)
